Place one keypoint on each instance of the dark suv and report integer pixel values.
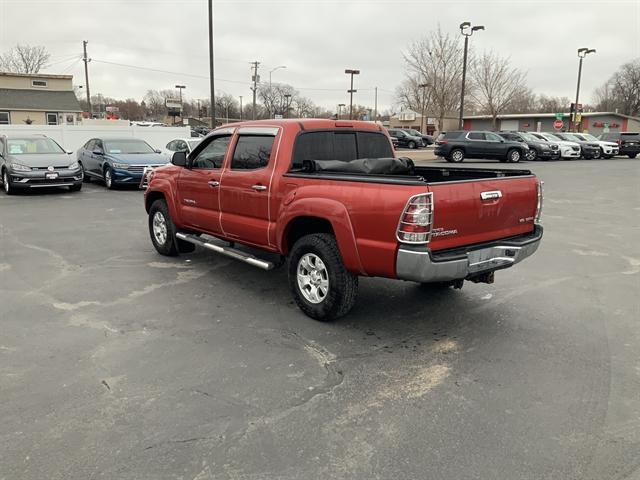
(405, 139)
(538, 149)
(589, 149)
(460, 144)
(629, 142)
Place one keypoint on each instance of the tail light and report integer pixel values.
(539, 205)
(441, 142)
(416, 220)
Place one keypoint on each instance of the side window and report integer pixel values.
(475, 136)
(495, 138)
(171, 145)
(252, 152)
(89, 145)
(373, 145)
(98, 144)
(181, 146)
(213, 154)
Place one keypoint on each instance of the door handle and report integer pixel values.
(258, 188)
(213, 183)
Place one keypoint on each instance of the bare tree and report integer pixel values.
(524, 101)
(277, 98)
(436, 60)
(24, 59)
(495, 84)
(548, 104)
(604, 98)
(626, 87)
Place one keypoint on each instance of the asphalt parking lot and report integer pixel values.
(118, 363)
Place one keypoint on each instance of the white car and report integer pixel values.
(180, 145)
(607, 149)
(567, 149)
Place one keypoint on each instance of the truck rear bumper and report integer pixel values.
(425, 266)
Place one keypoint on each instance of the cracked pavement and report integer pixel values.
(118, 363)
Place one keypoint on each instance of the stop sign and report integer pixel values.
(558, 124)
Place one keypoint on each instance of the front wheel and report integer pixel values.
(513, 155)
(6, 183)
(161, 229)
(411, 145)
(75, 188)
(108, 179)
(531, 155)
(85, 177)
(632, 155)
(321, 285)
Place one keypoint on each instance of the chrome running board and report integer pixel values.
(227, 251)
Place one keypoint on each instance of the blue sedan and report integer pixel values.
(117, 161)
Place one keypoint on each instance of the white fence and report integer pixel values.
(72, 137)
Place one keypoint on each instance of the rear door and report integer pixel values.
(468, 212)
(199, 185)
(246, 186)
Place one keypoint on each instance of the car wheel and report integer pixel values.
(456, 155)
(108, 178)
(321, 285)
(513, 155)
(531, 155)
(6, 183)
(632, 155)
(607, 156)
(161, 229)
(411, 145)
(597, 154)
(85, 177)
(75, 188)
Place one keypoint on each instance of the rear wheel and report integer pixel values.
(632, 155)
(456, 155)
(513, 155)
(161, 229)
(321, 285)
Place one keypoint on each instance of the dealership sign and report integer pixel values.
(173, 103)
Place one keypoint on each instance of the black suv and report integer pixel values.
(629, 142)
(455, 146)
(426, 139)
(538, 149)
(589, 149)
(405, 139)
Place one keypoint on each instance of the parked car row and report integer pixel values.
(409, 138)
(512, 146)
(36, 161)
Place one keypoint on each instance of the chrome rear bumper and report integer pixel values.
(423, 265)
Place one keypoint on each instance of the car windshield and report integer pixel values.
(530, 137)
(193, 143)
(414, 132)
(127, 146)
(551, 137)
(29, 146)
(574, 137)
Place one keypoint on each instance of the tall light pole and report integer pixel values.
(273, 70)
(212, 90)
(467, 30)
(240, 107)
(287, 101)
(351, 91)
(340, 107)
(180, 88)
(423, 86)
(582, 52)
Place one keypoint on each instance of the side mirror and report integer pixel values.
(97, 151)
(179, 159)
(69, 152)
(157, 150)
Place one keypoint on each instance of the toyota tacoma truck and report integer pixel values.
(331, 199)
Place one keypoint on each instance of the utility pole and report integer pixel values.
(375, 115)
(467, 30)
(424, 101)
(240, 107)
(351, 91)
(255, 80)
(582, 52)
(212, 90)
(86, 75)
(180, 88)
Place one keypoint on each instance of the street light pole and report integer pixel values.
(351, 91)
(240, 107)
(287, 101)
(582, 52)
(467, 30)
(180, 87)
(212, 91)
(273, 70)
(340, 107)
(423, 86)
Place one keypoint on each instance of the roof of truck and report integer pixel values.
(308, 124)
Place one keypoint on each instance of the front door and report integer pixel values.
(246, 183)
(199, 186)
(495, 144)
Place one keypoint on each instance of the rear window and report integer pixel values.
(449, 135)
(343, 146)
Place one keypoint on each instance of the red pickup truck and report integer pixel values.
(331, 198)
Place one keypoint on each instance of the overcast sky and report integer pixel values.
(316, 40)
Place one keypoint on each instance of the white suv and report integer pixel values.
(607, 149)
(567, 149)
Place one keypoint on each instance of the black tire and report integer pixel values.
(85, 177)
(514, 155)
(342, 286)
(607, 156)
(597, 154)
(456, 155)
(532, 155)
(75, 188)
(109, 182)
(411, 145)
(632, 155)
(6, 184)
(167, 245)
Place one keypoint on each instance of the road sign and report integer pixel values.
(558, 124)
(559, 116)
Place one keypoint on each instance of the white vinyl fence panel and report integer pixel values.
(72, 137)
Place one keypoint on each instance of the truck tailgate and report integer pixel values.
(476, 211)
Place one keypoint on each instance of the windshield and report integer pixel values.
(551, 137)
(29, 146)
(572, 137)
(193, 143)
(127, 146)
(589, 137)
(414, 132)
(530, 137)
